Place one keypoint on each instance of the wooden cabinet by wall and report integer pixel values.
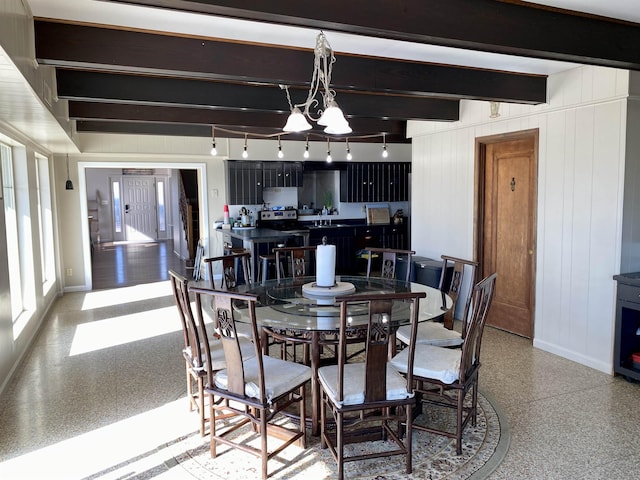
(375, 182)
(244, 182)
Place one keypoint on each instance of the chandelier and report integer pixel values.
(329, 116)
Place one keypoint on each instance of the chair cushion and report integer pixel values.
(431, 333)
(354, 384)
(438, 363)
(280, 376)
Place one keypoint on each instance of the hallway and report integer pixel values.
(121, 264)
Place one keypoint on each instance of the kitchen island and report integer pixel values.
(260, 240)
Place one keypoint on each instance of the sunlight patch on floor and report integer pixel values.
(124, 329)
(129, 448)
(117, 296)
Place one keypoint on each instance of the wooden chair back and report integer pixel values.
(230, 265)
(389, 261)
(297, 258)
(223, 304)
(451, 282)
(379, 334)
(191, 336)
(481, 298)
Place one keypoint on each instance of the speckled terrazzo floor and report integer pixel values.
(97, 398)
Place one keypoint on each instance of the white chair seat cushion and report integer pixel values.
(217, 353)
(431, 333)
(354, 383)
(437, 363)
(280, 376)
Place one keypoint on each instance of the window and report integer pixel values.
(162, 223)
(11, 223)
(117, 207)
(45, 218)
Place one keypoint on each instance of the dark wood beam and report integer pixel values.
(509, 27)
(82, 46)
(228, 118)
(193, 130)
(145, 90)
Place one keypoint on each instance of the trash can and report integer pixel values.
(401, 269)
(426, 271)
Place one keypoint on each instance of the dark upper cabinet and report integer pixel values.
(282, 174)
(244, 182)
(375, 182)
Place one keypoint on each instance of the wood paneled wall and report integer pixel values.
(582, 134)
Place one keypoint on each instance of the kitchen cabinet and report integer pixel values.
(244, 182)
(349, 240)
(627, 330)
(375, 182)
(282, 174)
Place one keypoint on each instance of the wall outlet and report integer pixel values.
(69, 272)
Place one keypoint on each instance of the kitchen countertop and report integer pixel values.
(257, 234)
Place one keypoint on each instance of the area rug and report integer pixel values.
(434, 456)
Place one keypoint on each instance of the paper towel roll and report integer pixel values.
(326, 265)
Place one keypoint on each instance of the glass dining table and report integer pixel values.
(299, 312)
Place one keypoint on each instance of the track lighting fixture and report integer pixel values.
(214, 151)
(245, 153)
(306, 148)
(385, 154)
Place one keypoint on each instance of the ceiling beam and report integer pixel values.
(82, 46)
(96, 111)
(145, 90)
(508, 27)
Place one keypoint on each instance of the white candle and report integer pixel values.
(326, 265)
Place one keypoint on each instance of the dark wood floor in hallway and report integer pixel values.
(116, 264)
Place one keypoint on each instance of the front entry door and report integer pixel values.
(507, 199)
(139, 208)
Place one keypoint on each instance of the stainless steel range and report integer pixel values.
(285, 221)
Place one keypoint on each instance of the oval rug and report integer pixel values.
(434, 458)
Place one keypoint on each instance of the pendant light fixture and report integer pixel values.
(349, 156)
(329, 159)
(280, 154)
(69, 184)
(331, 116)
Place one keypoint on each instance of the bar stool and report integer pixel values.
(263, 266)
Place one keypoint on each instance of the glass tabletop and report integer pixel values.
(300, 305)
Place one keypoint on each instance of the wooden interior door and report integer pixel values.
(507, 223)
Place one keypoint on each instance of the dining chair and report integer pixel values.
(253, 390)
(193, 350)
(231, 263)
(442, 334)
(389, 261)
(369, 396)
(443, 377)
(297, 259)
